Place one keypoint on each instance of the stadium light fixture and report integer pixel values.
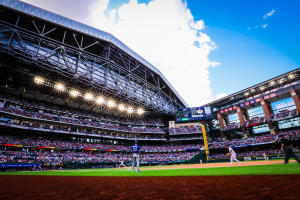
(60, 87)
(262, 88)
(246, 93)
(121, 107)
(74, 93)
(281, 80)
(291, 76)
(100, 100)
(88, 96)
(39, 80)
(140, 111)
(252, 90)
(130, 110)
(272, 83)
(111, 103)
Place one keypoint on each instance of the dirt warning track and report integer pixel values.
(199, 187)
(182, 187)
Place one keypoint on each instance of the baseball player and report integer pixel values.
(233, 156)
(265, 156)
(122, 164)
(136, 150)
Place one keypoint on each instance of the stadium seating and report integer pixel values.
(56, 151)
(268, 138)
(231, 126)
(67, 113)
(284, 114)
(34, 142)
(51, 118)
(69, 156)
(185, 130)
(255, 121)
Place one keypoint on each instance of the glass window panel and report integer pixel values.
(233, 118)
(256, 112)
(283, 104)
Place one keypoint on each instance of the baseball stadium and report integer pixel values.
(75, 102)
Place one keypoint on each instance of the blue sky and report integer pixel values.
(239, 43)
(248, 53)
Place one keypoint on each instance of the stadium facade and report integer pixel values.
(270, 106)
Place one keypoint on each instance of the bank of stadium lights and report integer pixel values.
(246, 93)
(89, 96)
(60, 87)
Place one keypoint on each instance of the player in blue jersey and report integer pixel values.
(136, 150)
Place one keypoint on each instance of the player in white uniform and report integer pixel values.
(122, 164)
(265, 156)
(233, 156)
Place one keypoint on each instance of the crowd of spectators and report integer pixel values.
(69, 129)
(80, 122)
(185, 130)
(283, 114)
(216, 144)
(84, 157)
(52, 111)
(255, 121)
(230, 126)
(35, 142)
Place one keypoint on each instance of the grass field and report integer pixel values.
(273, 169)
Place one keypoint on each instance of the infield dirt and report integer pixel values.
(207, 165)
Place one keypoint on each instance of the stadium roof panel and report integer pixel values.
(66, 22)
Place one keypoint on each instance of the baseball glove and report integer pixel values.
(228, 154)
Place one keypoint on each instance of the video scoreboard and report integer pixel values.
(194, 114)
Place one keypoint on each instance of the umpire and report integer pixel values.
(287, 148)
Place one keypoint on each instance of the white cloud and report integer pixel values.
(221, 95)
(264, 25)
(269, 14)
(166, 34)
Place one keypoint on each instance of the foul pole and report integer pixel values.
(205, 140)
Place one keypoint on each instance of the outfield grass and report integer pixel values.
(274, 169)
